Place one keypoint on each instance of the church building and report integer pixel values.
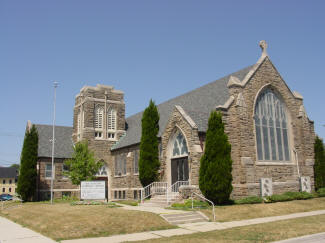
(270, 134)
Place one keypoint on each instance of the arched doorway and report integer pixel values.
(179, 168)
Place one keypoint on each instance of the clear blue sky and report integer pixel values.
(148, 49)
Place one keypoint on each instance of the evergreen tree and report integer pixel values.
(216, 164)
(319, 166)
(26, 186)
(82, 166)
(149, 162)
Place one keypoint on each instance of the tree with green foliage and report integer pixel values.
(82, 166)
(319, 166)
(26, 186)
(16, 166)
(216, 164)
(149, 162)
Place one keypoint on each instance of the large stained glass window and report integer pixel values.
(179, 146)
(271, 126)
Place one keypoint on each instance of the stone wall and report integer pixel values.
(240, 127)
(61, 185)
(178, 120)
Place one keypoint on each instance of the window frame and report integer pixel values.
(45, 170)
(111, 125)
(99, 122)
(261, 97)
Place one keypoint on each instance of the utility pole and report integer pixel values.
(53, 140)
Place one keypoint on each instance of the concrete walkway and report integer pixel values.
(315, 238)
(191, 228)
(11, 232)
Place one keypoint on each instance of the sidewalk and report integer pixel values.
(11, 232)
(191, 228)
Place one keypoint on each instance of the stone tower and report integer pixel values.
(99, 118)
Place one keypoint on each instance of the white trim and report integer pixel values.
(274, 163)
(60, 190)
(233, 81)
(186, 117)
(226, 105)
(297, 95)
(49, 178)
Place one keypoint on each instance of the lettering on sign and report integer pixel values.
(93, 190)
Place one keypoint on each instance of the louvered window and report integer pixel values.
(271, 126)
(99, 113)
(111, 124)
(98, 122)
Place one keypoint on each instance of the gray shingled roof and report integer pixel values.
(197, 104)
(8, 172)
(63, 141)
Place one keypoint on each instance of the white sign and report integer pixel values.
(93, 190)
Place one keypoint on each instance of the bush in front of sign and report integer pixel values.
(82, 166)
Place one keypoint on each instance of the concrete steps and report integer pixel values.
(158, 201)
(185, 218)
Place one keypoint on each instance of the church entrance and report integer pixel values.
(179, 167)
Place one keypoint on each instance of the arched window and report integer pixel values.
(111, 123)
(98, 121)
(179, 146)
(271, 126)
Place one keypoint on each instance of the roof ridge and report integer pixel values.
(193, 90)
(52, 125)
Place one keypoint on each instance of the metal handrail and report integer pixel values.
(154, 187)
(171, 191)
(214, 215)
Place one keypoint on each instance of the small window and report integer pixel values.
(10, 181)
(16, 180)
(98, 135)
(48, 171)
(3, 181)
(9, 189)
(123, 194)
(120, 194)
(66, 194)
(3, 189)
(65, 169)
(115, 194)
(135, 194)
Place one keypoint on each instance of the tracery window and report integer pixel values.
(271, 126)
(102, 171)
(179, 146)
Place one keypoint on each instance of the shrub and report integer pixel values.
(319, 166)
(129, 202)
(216, 164)
(277, 198)
(26, 186)
(249, 200)
(321, 192)
(298, 195)
(149, 162)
